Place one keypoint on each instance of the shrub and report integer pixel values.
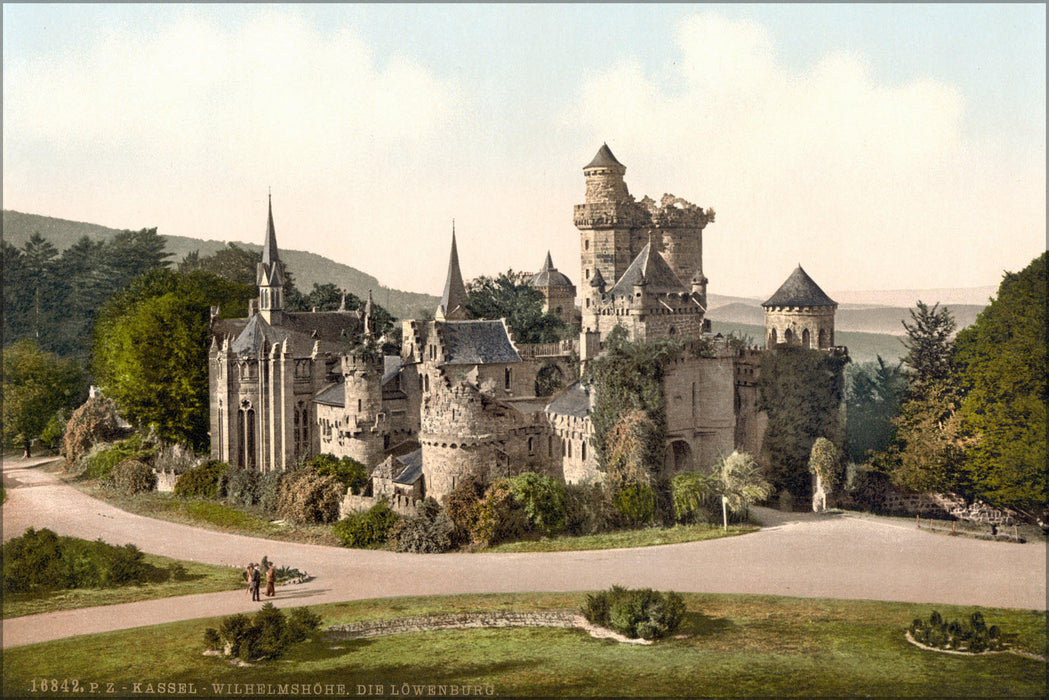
(351, 474)
(269, 490)
(463, 504)
(637, 613)
(308, 497)
(201, 481)
(95, 421)
(543, 499)
(51, 435)
(637, 503)
(588, 509)
(132, 476)
(499, 518)
(973, 635)
(367, 529)
(692, 493)
(429, 532)
(267, 634)
(100, 460)
(240, 487)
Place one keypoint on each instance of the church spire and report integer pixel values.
(270, 275)
(453, 301)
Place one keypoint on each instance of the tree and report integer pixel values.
(36, 386)
(510, 296)
(739, 481)
(801, 390)
(1002, 373)
(825, 465)
(38, 254)
(129, 254)
(874, 391)
(233, 263)
(150, 349)
(927, 452)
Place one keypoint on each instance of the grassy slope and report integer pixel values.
(736, 645)
(308, 268)
(200, 578)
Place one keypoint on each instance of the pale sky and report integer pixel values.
(880, 146)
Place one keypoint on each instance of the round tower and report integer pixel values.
(605, 219)
(365, 421)
(800, 313)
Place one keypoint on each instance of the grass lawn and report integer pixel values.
(198, 578)
(646, 537)
(735, 645)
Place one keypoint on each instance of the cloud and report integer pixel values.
(860, 181)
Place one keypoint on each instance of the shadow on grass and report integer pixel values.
(697, 624)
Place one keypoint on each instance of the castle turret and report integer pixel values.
(800, 313)
(270, 276)
(366, 424)
(557, 290)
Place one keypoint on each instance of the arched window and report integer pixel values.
(788, 337)
(772, 337)
(240, 437)
(805, 338)
(531, 446)
(249, 430)
(823, 337)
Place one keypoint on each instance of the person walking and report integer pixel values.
(248, 572)
(271, 581)
(255, 580)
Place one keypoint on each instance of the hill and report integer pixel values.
(863, 347)
(307, 268)
(851, 318)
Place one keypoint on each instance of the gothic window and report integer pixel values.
(805, 338)
(823, 337)
(249, 430)
(788, 336)
(772, 337)
(240, 437)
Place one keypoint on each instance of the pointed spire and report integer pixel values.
(548, 264)
(454, 296)
(269, 248)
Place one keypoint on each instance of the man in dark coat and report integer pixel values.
(256, 579)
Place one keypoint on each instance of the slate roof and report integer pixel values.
(574, 401)
(650, 267)
(301, 328)
(548, 276)
(603, 159)
(391, 367)
(799, 290)
(334, 395)
(413, 468)
(476, 342)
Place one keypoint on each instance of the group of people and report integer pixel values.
(255, 578)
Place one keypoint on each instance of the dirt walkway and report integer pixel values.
(801, 555)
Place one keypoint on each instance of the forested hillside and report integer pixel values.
(307, 268)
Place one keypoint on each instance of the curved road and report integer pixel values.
(796, 554)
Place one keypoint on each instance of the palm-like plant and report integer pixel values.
(740, 481)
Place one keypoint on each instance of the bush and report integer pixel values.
(429, 532)
(269, 490)
(499, 518)
(267, 634)
(201, 481)
(635, 613)
(132, 476)
(40, 560)
(692, 493)
(240, 487)
(308, 497)
(94, 422)
(51, 435)
(543, 500)
(973, 635)
(588, 509)
(637, 503)
(100, 460)
(368, 529)
(463, 504)
(351, 474)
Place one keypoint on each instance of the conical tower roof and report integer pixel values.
(454, 296)
(270, 270)
(799, 290)
(651, 270)
(604, 159)
(548, 276)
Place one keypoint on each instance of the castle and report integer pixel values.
(463, 395)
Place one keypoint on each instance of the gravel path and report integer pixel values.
(796, 554)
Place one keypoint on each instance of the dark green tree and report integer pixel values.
(38, 255)
(930, 350)
(129, 254)
(510, 296)
(150, 349)
(36, 385)
(801, 390)
(1002, 372)
(874, 391)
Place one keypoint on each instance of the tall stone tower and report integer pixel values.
(605, 220)
(366, 424)
(269, 276)
(800, 313)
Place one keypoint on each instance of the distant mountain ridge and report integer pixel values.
(307, 268)
(882, 319)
